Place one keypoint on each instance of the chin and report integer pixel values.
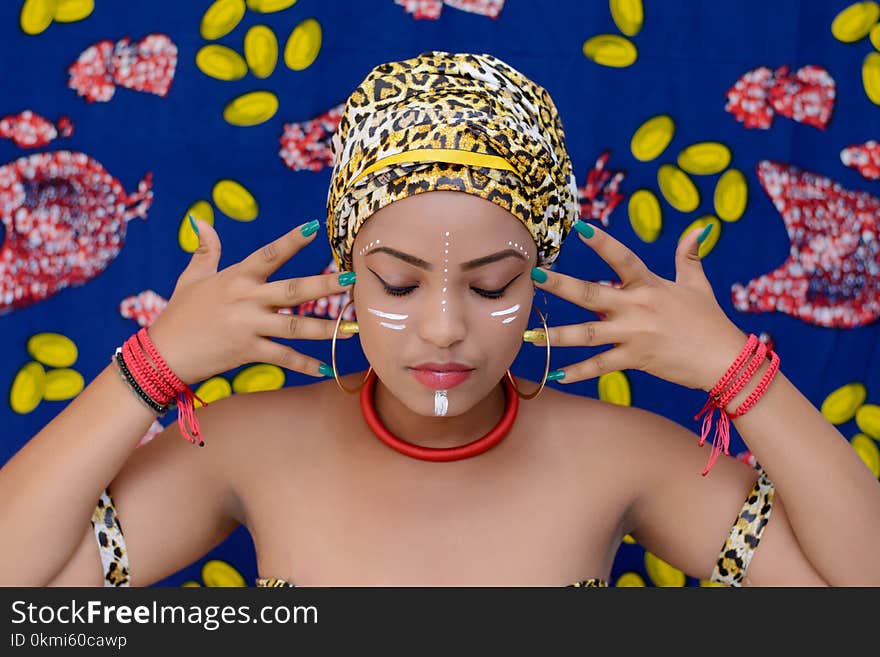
(420, 399)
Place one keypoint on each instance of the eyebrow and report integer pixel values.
(465, 266)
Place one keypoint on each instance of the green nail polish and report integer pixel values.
(325, 369)
(705, 233)
(555, 375)
(538, 275)
(192, 222)
(584, 228)
(347, 278)
(311, 228)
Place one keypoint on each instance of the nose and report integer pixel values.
(443, 322)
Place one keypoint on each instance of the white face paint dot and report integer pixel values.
(368, 246)
(445, 271)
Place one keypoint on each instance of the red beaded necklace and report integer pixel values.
(473, 448)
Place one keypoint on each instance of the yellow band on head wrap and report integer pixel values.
(451, 121)
(439, 155)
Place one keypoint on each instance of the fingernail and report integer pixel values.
(538, 275)
(705, 233)
(555, 375)
(348, 327)
(533, 335)
(311, 227)
(347, 278)
(584, 228)
(192, 222)
(325, 369)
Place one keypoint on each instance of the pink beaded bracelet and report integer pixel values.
(162, 386)
(720, 395)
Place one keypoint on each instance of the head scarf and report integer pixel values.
(451, 121)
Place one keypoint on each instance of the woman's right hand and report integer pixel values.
(218, 320)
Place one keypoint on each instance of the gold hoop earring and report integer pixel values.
(537, 392)
(333, 355)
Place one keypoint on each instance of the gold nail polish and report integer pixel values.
(533, 335)
(348, 327)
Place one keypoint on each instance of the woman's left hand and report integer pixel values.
(673, 330)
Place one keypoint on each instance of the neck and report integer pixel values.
(447, 431)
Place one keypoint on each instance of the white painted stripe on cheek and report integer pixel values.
(384, 315)
(508, 320)
(396, 327)
(506, 311)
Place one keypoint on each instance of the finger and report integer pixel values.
(269, 351)
(298, 327)
(206, 258)
(293, 291)
(267, 259)
(610, 360)
(688, 261)
(587, 294)
(588, 334)
(623, 260)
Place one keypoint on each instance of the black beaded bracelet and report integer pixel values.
(135, 387)
(132, 382)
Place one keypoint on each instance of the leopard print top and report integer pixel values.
(108, 532)
(272, 582)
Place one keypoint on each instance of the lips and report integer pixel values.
(441, 376)
(443, 367)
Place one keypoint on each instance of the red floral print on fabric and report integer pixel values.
(832, 275)
(600, 195)
(431, 9)
(147, 65)
(864, 158)
(144, 308)
(155, 429)
(30, 130)
(306, 145)
(807, 96)
(65, 219)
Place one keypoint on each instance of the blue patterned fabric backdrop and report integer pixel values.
(118, 118)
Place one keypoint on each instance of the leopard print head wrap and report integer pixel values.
(451, 121)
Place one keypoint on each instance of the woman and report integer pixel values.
(435, 473)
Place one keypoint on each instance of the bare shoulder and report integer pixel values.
(582, 431)
(253, 421)
(247, 433)
(637, 446)
(595, 425)
(643, 435)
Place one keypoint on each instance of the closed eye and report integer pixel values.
(403, 291)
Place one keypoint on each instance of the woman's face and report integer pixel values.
(443, 277)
